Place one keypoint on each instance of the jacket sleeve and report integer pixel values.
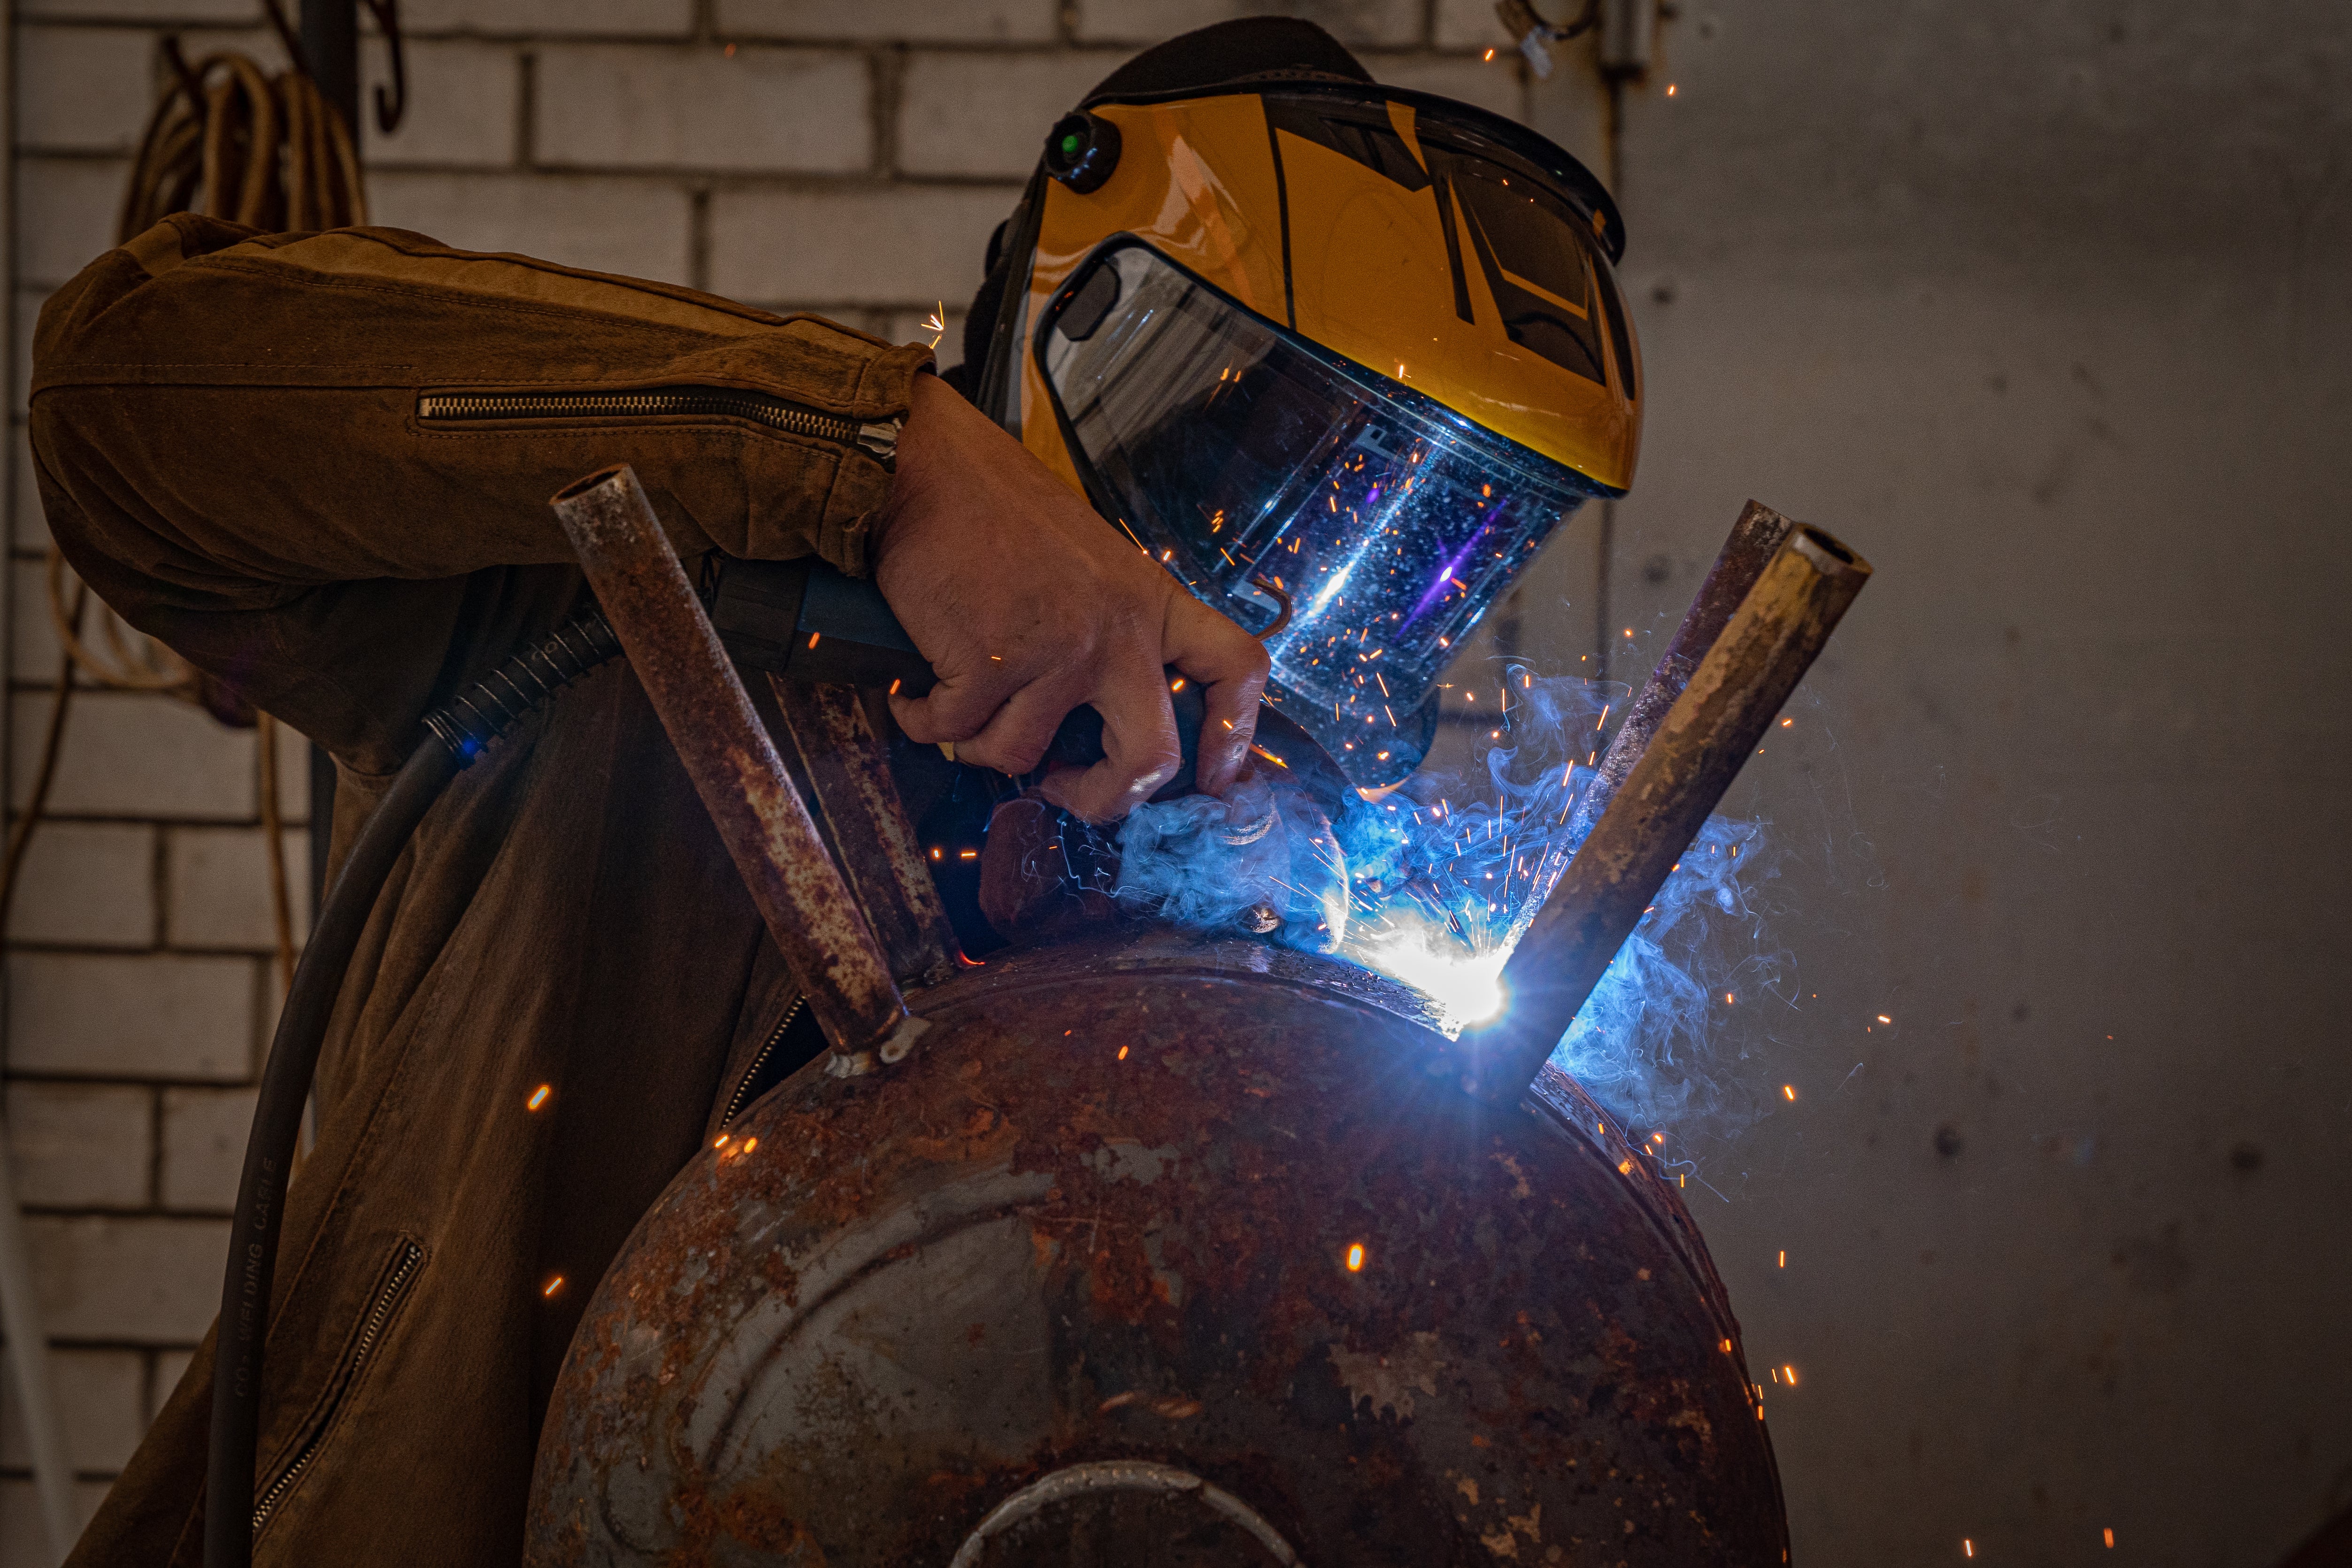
(233, 448)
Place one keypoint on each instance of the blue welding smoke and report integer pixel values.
(1435, 883)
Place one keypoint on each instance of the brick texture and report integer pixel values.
(132, 755)
(986, 114)
(149, 1017)
(781, 111)
(167, 12)
(1393, 23)
(83, 1146)
(464, 104)
(101, 1396)
(893, 21)
(515, 18)
(66, 214)
(89, 884)
(217, 889)
(845, 155)
(639, 227)
(133, 1280)
(204, 1132)
(22, 1543)
(906, 246)
(57, 70)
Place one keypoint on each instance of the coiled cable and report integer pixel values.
(458, 732)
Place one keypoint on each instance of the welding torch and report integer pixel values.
(804, 620)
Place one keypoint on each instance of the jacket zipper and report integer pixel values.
(410, 1258)
(752, 1074)
(877, 438)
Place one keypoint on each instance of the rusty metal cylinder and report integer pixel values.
(807, 907)
(1162, 1252)
(1696, 751)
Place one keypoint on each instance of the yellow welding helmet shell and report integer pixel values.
(1339, 356)
(1426, 240)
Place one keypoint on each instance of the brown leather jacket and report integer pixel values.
(230, 450)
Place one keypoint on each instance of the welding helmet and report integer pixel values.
(1339, 356)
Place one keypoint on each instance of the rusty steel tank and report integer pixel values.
(1161, 1250)
(1157, 1249)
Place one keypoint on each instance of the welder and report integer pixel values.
(1328, 362)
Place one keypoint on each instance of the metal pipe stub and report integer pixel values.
(801, 894)
(1697, 750)
(1757, 534)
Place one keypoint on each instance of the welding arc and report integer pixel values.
(1699, 749)
(476, 717)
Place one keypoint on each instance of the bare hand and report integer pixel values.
(1028, 604)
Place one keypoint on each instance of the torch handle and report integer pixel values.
(1697, 750)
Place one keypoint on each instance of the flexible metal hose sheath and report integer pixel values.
(478, 716)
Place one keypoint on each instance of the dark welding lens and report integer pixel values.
(1081, 150)
(1083, 308)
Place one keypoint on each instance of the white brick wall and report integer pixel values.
(83, 1146)
(732, 109)
(847, 155)
(102, 1398)
(160, 1015)
(1394, 23)
(88, 884)
(464, 107)
(83, 89)
(142, 1279)
(894, 21)
(911, 245)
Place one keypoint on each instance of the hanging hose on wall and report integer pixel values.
(228, 140)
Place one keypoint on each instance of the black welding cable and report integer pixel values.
(457, 735)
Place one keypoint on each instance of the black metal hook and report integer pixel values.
(390, 108)
(287, 35)
(184, 74)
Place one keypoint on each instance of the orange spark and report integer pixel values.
(539, 1097)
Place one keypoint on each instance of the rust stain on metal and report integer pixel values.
(851, 788)
(921, 1293)
(808, 909)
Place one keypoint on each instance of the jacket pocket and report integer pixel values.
(393, 1287)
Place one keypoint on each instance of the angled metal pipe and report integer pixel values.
(848, 769)
(801, 895)
(1757, 534)
(1698, 748)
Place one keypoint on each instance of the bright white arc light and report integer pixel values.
(1467, 987)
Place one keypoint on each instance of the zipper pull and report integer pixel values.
(879, 439)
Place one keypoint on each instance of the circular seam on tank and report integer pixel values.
(1116, 1475)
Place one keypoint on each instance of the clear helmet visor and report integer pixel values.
(1359, 526)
